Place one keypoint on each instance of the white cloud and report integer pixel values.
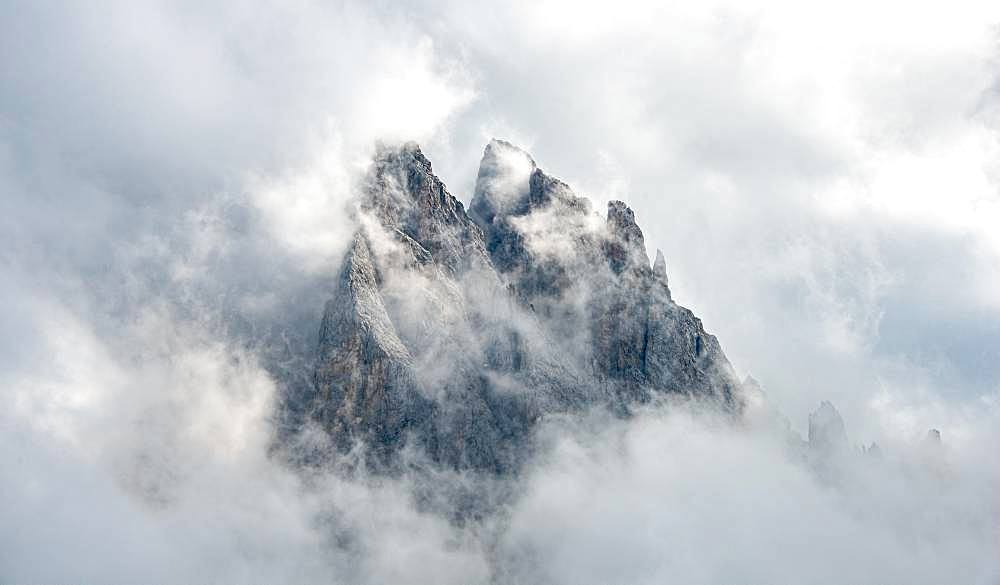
(641, 504)
(823, 181)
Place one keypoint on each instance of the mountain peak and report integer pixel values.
(660, 265)
(627, 246)
(404, 194)
(504, 181)
(497, 148)
(388, 154)
(660, 272)
(620, 214)
(458, 331)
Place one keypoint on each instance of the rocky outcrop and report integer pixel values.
(404, 195)
(590, 281)
(660, 274)
(826, 430)
(454, 332)
(367, 386)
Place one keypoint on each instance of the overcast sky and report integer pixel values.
(823, 182)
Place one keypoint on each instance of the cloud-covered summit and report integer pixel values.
(455, 333)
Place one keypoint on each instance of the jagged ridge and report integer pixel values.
(456, 331)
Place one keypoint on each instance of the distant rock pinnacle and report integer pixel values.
(826, 429)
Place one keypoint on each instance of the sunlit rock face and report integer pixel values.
(451, 333)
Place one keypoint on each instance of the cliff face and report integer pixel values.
(591, 284)
(454, 332)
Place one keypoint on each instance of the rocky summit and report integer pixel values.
(451, 332)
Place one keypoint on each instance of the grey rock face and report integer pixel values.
(364, 373)
(404, 194)
(455, 332)
(590, 281)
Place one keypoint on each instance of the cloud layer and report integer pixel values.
(174, 180)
